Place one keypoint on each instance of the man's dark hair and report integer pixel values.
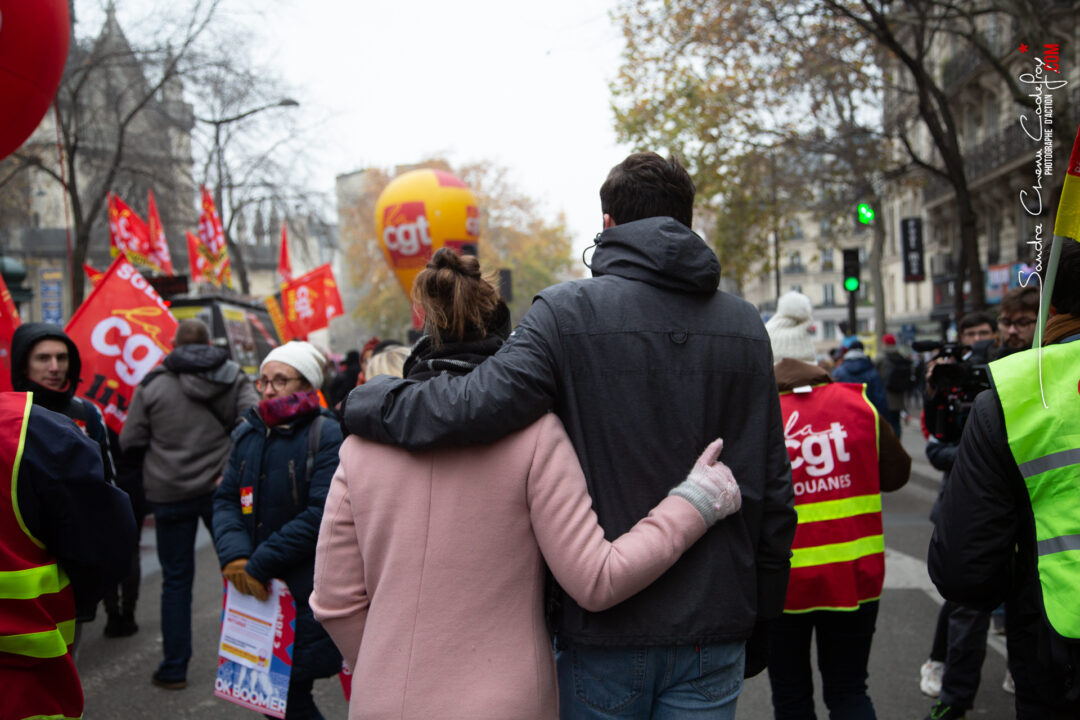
(645, 185)
(1018, 300)
(192, 332)
(974, 319)
(1066, 298)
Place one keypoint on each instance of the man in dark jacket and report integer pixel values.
(46, 362)
(644, 363)
(181, 415)
(1009, 515)
(59, 521)
(857, 368)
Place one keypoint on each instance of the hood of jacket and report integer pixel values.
(22, 342)
(791, 373)
(204, 371)
(856, 362)
(660, 251)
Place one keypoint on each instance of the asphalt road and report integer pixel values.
(116, 672)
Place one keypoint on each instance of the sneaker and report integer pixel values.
(930, 682)
(161, 682)
(1007, 684)
(941, 711)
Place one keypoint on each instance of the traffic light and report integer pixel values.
(866, 214)
(851, 270)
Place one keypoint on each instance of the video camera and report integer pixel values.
(956, 385)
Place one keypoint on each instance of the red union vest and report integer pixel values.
(37, 605)
(838, 556)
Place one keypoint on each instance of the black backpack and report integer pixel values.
(899, 373)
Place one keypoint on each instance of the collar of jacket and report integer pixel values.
(426, 361)
(791, 374)
(659, 251)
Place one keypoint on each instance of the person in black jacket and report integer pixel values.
(269, 506)
(984, 547)
(46, 362)
(644, 364)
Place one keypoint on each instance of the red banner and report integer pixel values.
(284, 266)
(93, 274)
(213, 239)
(128, 233)
(200, 260)
(159, 256)
(123, 329)
(9, 320)
(309, 301)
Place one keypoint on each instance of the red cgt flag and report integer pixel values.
(159, 256)
(213, 238)
(201, 261)
(309, 301)
(9, 320)
(128, 234)
(284, 266)
(123, 329)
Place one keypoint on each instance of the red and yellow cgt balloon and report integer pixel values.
(419, 212)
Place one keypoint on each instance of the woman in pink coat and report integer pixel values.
(429, 572)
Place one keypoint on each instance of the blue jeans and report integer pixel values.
(663, 683)
(176, 524)
(843, 651)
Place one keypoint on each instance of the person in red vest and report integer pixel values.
(65, 535)
(843, 453)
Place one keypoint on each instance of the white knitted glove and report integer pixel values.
(710, 487)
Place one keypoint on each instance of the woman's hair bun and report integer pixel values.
(466, 265)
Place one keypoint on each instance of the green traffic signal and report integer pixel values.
(851, 284)
(866, 214)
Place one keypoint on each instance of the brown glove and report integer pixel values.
(234, 573)
(256, 588)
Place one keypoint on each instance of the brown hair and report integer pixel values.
(1019, 300)
(645, 185)
(456, 299)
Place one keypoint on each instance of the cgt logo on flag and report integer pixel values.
(125, 328)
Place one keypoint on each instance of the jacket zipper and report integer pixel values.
(292, 478)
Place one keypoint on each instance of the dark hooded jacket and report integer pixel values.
(645, 364)
(182, 414)
(83, 412)
(857, 368)
(278, 535)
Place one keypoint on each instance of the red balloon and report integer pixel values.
(34, 37)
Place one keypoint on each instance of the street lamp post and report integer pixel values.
(236, 257)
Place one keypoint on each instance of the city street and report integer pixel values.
(116, 672)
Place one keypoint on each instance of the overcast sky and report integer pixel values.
(523, 85)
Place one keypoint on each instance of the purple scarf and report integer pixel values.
(282, 410)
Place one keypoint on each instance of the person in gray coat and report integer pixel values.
(181, 416)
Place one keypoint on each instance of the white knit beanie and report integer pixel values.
(789, 329)
(303, 356)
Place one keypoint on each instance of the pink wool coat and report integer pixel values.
(429, 572)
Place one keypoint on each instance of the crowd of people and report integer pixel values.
(620, 508)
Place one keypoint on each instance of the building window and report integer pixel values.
(794, 262)
(829, 330)
(828, 294)
(826, 259)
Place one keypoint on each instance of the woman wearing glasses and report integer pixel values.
(270, 503)
(429, 573)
